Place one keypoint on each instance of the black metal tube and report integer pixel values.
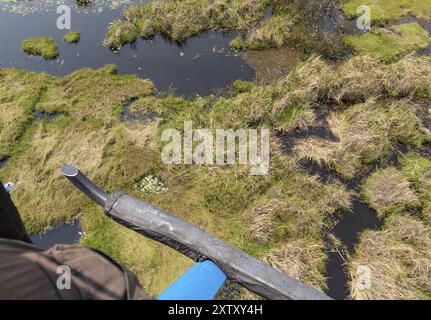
(85, 185)
(195, 243)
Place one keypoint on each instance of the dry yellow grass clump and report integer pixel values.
(417, 169)
(365, 133)
(285, 212)
(399, 258)
(388, 191)
(301, 260)
(309, 80)
(357, 80)
(273, 33)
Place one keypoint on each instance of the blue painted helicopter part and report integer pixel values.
(201, 282)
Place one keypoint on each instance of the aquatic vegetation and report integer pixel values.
(273, 64)
(410, 76)
(94, 93)
(182, 19)
(83, 135)
(83, 2)
(392, 42)
(417, 169)
(242, 86)
(293, 117)
(45, 47)
(369, 129)
(16, 105)
(398, 255)
(273, 33)
(269, 216)
(284, 212)
(72, 37)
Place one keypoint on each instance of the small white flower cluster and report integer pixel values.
(150, 185)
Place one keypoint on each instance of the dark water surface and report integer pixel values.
(60, 234)
(201, 65)
(3, 162)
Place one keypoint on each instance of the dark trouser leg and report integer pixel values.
(11, 226)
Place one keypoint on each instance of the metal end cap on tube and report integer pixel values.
(69, 170)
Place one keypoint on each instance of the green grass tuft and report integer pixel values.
(72, 37)
(241, 86)
(45, 47)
